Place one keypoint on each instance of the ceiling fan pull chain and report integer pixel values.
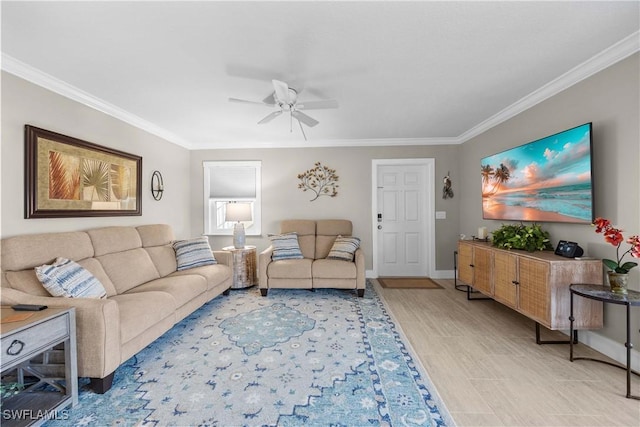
(302, 129)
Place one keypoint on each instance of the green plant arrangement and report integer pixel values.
(519, 236)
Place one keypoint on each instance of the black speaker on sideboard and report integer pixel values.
(568, 249)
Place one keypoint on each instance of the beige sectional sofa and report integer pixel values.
(146, 296)
(314, 270)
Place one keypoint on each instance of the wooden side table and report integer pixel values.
(244, 262)
(29, 348)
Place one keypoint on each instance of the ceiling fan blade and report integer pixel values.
(270, 117)
(317, 105)
(271, 99)
(300, 116)
(244, 101)
(281, 91)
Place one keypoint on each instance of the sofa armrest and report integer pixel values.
(263, 262)
(360, 270)
(97, 329)
(223, 257)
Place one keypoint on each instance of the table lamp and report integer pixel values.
(238, 212)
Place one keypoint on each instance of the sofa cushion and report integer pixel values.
(334, 269)
(25, 281)
(214, 274)
(32, 250)
(155, 235)
(327, 230)
(343, 248)
(128, 269)
(164, 258)
(142, 311)
(183, 288)
(285, 246)
(193, 253)
(95, 268)
(66, 278)
(306, 230)
(108, 240)
(290, 269)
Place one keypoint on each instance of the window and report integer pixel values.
(229, 182)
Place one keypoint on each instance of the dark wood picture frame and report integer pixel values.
(67, 177)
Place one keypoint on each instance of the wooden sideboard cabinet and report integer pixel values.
(534, 284)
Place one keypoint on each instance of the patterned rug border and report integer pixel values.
(444, 410)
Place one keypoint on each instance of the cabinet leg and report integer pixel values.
(540, 341)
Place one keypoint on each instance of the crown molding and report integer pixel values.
(47, 81)
(617, 52)
(371, 142)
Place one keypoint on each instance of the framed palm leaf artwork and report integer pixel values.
(68, 177)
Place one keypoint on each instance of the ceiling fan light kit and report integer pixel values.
(286, 99)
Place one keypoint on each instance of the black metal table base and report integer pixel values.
(599, 293)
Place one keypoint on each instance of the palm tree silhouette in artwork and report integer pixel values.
(499, 176)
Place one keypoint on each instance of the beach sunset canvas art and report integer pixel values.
(547, 180)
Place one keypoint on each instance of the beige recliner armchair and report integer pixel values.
(314, 270)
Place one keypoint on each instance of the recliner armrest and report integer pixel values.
(97, 329)
(222, 257)
(263, 262)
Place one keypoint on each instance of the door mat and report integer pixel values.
(408, 283)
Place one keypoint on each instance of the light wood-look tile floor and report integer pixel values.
(485, 364)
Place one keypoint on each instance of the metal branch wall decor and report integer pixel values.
(321, 180)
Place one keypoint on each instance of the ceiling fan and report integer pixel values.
(285, 99)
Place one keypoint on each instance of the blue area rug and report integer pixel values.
(295, 357)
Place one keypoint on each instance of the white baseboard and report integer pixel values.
(438, 274)
(443, 274)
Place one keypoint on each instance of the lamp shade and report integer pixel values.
(238, 212)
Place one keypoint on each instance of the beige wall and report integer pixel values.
(281, 198)
(609, 99)
(25, 103)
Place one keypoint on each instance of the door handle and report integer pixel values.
(379, 227)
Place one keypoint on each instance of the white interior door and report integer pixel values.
(401, 220)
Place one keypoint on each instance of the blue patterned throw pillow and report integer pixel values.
(285, 246)
(66, 278)
(344, 248)
(193, 253)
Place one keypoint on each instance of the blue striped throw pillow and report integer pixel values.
(66, 278)
(285, 246)
(343, 248)
(193, 253)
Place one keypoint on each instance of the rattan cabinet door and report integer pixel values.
(534, 295)
(505, 276)
(465, 263)
(482, 269)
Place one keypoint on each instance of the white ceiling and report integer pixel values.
(403, 72)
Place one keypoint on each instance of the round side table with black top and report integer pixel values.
(604, 294)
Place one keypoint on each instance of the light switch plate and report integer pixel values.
(441, 214)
